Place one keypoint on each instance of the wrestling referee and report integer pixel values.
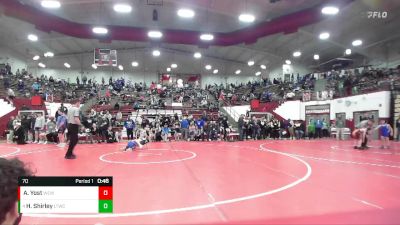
(73, 128)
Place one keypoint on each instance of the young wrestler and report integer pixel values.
(385, 131)
(362, 133)
(136, 143)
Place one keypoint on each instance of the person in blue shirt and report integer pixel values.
(185, 128)
(385, 131)
(61, 125)
(318, 128)
(36, 87)
(130, 126)
(200, 127)
(136, 143)
(164, 132)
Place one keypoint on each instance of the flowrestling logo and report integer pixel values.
(377, 14)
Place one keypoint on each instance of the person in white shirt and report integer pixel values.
(39, 126)
(10, 93)
(204, 102)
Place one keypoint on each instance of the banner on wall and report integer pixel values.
(318, 109)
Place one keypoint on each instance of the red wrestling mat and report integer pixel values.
(296, 182)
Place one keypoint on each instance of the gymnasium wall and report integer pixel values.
(71, 74)
(139, 76)
(223, 79)
(278, 71)
(380, 101)
(15, 60)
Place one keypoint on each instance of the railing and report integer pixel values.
(235, 115)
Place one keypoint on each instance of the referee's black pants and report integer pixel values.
(73, 138)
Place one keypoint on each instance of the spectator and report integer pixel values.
(10, 129)
(19, 134)
(21, 86)
(111, 135)
(63, 109)
(200, 126)
(165, 132)
(129, 125)
(185, 128)
(299, 129)
(10, 93)
(51, 133)
(311, 129)
(36, 87)
(325, 128)
(318, 128)
(84, 79)
(116, 106)
(25, 124)
(25, 107)
(398, 128)
(61, 125)
(39, 126)
(290, 125)
(32, 127)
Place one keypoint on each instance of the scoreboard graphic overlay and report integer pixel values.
(37, 195)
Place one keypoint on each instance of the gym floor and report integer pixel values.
(255, 182)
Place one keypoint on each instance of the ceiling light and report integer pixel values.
(324, 35)
(174, 65)
(168, 69)
(51, 4)
(264, 67)
(94, 66)
(135, 64)
(120, 67)
(215, 71)
(207, 37)
(258, 73)
(357, 42)
(197, 55)
(185, 13)
(288, 62)
(100, 30)
(36, 57)
(154, 34)
(330, 10)
(348, 51)
(238, 71)
(67, 65)
(41, 65)
(316, 57)
(250, 63)
(122, 8)
(208, 67)
(297, 54)
(32, 37)
(156, 53)
(49, 54)
(246, 18)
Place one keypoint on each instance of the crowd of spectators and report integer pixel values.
(104, 127)
(339, 83)
(157, 95)
(251, 127)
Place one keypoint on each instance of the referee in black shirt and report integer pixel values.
(73, 128)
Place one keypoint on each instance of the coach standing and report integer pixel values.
(73, 129)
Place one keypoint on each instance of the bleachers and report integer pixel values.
(18, 103)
